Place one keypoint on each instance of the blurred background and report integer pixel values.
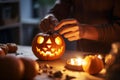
(19, 20)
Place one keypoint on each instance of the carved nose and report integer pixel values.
(49, 41)
(49, 46)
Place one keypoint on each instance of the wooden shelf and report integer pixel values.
(21, 30)
(10, 26)
(8, 1)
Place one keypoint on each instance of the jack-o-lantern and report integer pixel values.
(49, 46)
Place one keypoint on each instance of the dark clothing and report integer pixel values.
(102, 14)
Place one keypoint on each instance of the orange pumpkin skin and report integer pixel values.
(48, 46)
(92, 64)
(4, 47)
(31, 68)
(11, 68)
(2, 53)
(12, 47)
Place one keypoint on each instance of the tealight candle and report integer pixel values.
(74, 64)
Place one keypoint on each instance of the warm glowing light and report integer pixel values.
(52, 49)
(75, 61)
(40, 39)
(48, 52)
(45, 49)
(38, 50)
(74, 64)
(100, 56)
(52, 52)
(49, 41)
(58, 41)
(48, 46)
(52, 55)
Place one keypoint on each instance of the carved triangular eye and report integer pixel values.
(58, 41)
(40, 40)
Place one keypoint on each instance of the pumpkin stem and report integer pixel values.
(50, 32)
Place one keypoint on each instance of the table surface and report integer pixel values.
(59, 65)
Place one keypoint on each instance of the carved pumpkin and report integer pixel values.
(92, 64)
(48, 46)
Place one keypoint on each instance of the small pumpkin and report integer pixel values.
(12, 47)
(2, 53)
(92, 64)
(4, 47)
(31, 68)
(11, 68)
(48, 46)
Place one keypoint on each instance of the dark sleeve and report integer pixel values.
(61, 9)
(110, 33)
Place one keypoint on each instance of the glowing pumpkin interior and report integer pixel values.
(48, 46)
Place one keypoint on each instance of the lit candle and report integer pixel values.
(99, 56)
(74, 63)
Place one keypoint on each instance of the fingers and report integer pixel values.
(74, 36)
(71, 36)
(65, 22)
(71, 32)
(70, 28)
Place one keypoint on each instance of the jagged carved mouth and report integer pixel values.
(52, 52)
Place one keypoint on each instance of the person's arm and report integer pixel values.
(60, 10)
(110, 32)
(73, 30)
(107, 33)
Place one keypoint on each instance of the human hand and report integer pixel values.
(48, 23)
(70, 28)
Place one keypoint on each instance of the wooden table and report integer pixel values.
(59, 65)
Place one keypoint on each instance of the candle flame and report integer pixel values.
(100, 56)
(72, 61)
(76, 61)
